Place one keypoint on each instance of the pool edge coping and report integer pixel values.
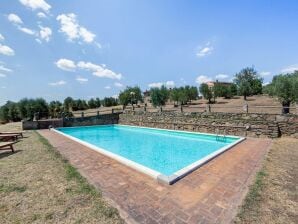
(159, 177)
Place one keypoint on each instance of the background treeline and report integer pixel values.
(246, 83)
(28, 108)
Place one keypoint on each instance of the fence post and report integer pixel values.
(133, 107)
(112, 110)
(208, 108)
(245, 108)
(181, 108)
(98, 113)
(82, 114)
(160, 108)
(145, 108)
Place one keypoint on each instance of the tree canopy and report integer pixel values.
(130, 95)
(248, 82)
(285, 87)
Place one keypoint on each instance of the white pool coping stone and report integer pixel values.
(161, 178)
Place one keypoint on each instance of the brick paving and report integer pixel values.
(210, 194)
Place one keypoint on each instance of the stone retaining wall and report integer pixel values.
(42, 124)
(92, 120)
(252, 125)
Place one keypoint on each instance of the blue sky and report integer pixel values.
(86, 48)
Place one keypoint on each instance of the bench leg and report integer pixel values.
(11, 147)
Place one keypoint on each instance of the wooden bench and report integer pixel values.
(6, 145)
(19, 133)
(7, 137)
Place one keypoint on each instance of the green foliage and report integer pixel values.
(91, 103)
(206, 92)
(233, 89)
(226, 91)
(184, 94)
(285, 87)
(97, 102)
(68, 102)
(159, 96)
(55, 108)
(109, 102)
(130, 95)
(248, 82)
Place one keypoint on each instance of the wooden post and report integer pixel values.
(112, 110)
(160, 108)
(82, 114)
(181, 108)
(208, 108)
(145, 108)
(245, 108)
(98, 113)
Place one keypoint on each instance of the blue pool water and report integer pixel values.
(160, 150)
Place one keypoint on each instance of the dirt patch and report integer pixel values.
(38, 186)
(273, 198)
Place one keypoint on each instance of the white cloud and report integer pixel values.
(59, 83)
(263, 74)
(118, 84)
(99, 70)
(3, 87)
(107, 87)
(27, 31)
(81, 79)
(4, 69)
(71, 28)
(36, 4)
(205, 50)
(265, 84)
(2, 75)
(41, 15)
(203, 79)
(221, 76)
(45, 33)
(168, 84)
(1, 37)
(87, 36)
(14, 18)
(290, 69)
(65, 64)
(6, 50)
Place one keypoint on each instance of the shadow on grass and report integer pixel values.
(8, 153)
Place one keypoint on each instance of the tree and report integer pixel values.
(233, 89)
(55, 108)
(92, 103)
(130, 95)
(206, 92)
(248, 82)
(285, 87)
(109, 102)
(68, 103)
(159, 96)
(97, 102)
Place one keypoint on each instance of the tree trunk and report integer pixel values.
(244, 96)
(285, 107)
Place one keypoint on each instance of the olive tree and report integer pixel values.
(248, 82)
(285, 87)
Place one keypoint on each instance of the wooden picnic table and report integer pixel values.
(7, 145)
(5, 137)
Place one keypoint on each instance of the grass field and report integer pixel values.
(273, 198)
(38, 186)
(256, 104)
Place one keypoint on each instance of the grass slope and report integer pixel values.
(38, 186)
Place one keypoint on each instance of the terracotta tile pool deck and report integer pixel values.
(210, 194)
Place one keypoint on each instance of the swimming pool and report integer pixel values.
(166, 155)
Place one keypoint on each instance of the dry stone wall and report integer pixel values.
(251, 125)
